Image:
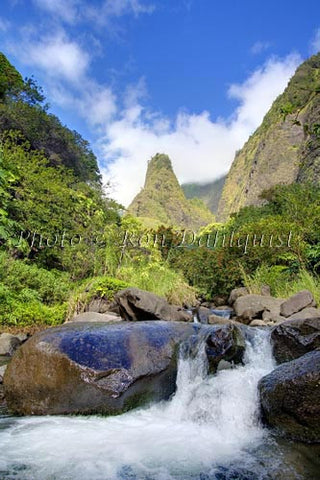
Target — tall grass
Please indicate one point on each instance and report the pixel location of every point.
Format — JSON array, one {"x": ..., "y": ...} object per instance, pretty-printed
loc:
[
  {"x": 158, "y": 278},
  {"x": 282, "y": 284}
]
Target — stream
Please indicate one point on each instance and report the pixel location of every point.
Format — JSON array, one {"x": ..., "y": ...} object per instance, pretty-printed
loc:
[{"x": 209, "y": 430}]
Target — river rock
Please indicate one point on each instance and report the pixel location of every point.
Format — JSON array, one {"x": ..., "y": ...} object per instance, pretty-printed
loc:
[
  {"x": 96, "y": 317},
  {"x": 225, "y": 342},
  {"x": 297, "y": 302},
  {"x": 138, "y": 305},
  {"x": 272, "y": 317},
  {"x": 8, "y": 344},
  {"x": 219, "y": 300},
  {"x": 290, "y": 398},
  {"x": 305, "y": 314},
  {"x": 95, "y": 368},
  {"x": 237, "y": 293},
  {"x": 258, "y": 323},
  {"x": 294, "y": 338},
  {"x": 102, "y": 305},
  {"x": 202, "y": 314},
  {"x": 250, "y": 307}
]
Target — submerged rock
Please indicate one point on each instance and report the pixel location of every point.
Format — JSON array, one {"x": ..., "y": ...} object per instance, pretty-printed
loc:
[
  {"x": 294, "y": 338},
  {"x": 290, "y": 398},
  {"x": 95, "y": 368},
  {"x": 138, "y": 305}
]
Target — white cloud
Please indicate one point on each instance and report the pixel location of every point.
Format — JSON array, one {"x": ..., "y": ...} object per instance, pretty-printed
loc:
[
  {"x": 315, "y": 42},
  {"x": 4, "y": 25},
  {"x": 118, "y": 8},
  {"x": 73, "y": 11},
  {"x": 67, "y": 10},
  {"x": 57, "y": 56},
  {"x": 260, "y": 47},
  {"x": 200, "y": 149}
]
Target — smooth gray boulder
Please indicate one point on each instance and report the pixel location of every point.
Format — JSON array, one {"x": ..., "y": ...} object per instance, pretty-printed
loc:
[
  {"x": 250, "y": 307},
  {"x": 89, "y": 368},
  {"x": 294, "y": 338},
  {"x": 297, "y": 302},
  {"x": 290, "y": 398},
  {"x": 138, "y": 305}
]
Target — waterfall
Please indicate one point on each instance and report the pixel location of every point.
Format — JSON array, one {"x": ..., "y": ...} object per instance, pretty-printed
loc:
[{"x": 210, "y": 421}]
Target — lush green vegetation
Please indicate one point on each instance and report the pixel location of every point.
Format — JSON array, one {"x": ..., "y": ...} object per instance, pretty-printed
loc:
[
  {"x": 283, "y": 235},
  {"x": 64, "y": 242}
]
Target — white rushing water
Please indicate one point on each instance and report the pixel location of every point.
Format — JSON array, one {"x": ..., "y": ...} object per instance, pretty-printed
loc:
[{"x": 211, "y": 420}]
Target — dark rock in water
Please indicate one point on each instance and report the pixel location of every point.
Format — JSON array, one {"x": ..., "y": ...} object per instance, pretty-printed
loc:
[
  {"x": 203, "y": 314},
  {"x": 294, "y": 338},
  {"x": 296, "y": 303},
  {"x": 224, "y": 342},
  {"x": 95, "y": 368},
  {"x": 224, "y": 473},
  {"x": 290, "y": 398},
  {"x": 138, "y": 305}
]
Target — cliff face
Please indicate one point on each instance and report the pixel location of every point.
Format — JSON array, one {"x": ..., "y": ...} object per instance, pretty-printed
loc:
[
  {"x": 284, "y": 149},
  {"x": 162, "y": 200},
  {"x": 209, "y": 192}
]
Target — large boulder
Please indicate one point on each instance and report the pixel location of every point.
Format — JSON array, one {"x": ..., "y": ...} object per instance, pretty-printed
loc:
[
  {"x": 297, "y": 302},
  {"x": 294, "y": 338},
  {"x": 138, "y": 305},
  {"x": 95, "y": 368},
  {"x": 290, "y": 398},
  {"x": 108, "y": 368},
  {"x": 250, "y": 307}
]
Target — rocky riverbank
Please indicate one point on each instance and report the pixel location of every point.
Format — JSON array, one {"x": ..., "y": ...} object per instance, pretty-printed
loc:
[{"x": 113, "y": 361}]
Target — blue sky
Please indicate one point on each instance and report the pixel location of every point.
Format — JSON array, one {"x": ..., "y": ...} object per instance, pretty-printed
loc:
[{"x": 192, "y": 78}]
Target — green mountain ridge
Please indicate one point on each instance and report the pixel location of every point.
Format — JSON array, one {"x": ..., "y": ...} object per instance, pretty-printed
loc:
[
  {"x": 286, "y": 147},
  {"x": 209, "y": 192},
  {"x": 162, "y": 201}
]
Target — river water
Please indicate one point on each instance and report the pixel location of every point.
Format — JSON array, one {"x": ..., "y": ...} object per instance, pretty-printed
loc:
[{"x": 209, "y": 430}]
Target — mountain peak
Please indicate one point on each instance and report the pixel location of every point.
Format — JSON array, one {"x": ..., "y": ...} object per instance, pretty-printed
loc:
[{"x": 162, "y": 200}]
